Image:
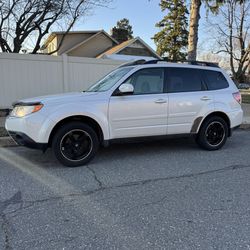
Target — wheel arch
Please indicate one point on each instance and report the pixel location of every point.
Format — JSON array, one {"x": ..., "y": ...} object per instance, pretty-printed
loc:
[
  {"x": 82, "y": 118},
  {"x": 200, "y": 120}
]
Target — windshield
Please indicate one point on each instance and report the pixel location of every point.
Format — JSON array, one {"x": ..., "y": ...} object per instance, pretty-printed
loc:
[{"x": 109, "y": 80}]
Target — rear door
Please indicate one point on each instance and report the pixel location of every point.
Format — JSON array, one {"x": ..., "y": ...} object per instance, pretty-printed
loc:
[{"x": 188, "y": 98}]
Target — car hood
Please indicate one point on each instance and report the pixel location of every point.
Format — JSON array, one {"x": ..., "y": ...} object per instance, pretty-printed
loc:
[{"x": 61, "y": 98}]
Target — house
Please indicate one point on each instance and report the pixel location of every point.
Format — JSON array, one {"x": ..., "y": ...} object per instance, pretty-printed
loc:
[
  {"x": 132, "y": 49},
  {"x": 97, "y": 44},
  {"x": 79, "y": 43}
]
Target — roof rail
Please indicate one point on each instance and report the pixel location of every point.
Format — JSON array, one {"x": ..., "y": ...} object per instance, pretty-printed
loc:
[
  {"x": 137, "y": 62},
  {"x": 198, "y": 63},
  {"x": 142, "y": 61}
]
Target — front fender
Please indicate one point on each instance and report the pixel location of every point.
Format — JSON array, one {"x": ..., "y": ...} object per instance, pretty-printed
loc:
[{"x": 70, "y": 110}]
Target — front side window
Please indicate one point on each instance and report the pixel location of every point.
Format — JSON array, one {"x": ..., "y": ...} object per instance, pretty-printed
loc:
[
  {"x": 147, "y": 81},
  {"x": 109, "y": 80},
  {"x": 215, "y": 80},
  {"x": 184, "y": 80}
]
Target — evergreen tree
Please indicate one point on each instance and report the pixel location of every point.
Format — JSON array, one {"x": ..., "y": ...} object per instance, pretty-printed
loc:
[
  {"x": 172, "y": 39},
  {"x": 122, "y": 31}
]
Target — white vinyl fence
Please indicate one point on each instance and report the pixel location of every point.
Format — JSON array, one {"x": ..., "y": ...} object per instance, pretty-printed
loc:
[{"x": 23, "y": 76}]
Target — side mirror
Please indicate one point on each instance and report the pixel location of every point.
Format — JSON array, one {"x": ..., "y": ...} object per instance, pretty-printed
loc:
[{"x": 126, "y": 88}]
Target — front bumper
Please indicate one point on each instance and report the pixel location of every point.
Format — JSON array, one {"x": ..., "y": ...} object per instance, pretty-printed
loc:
[
  {"x": 24, "y": 140},
  {"x": 31, "y": 126}
]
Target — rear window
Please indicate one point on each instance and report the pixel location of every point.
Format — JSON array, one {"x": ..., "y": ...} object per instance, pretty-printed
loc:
[
  {"x": 215, "y": 80},
  {"x": 184, "y": 80}
]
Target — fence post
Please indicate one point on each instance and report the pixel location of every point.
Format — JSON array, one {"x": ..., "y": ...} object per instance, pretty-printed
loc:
[{"x": 65, "y": 73}]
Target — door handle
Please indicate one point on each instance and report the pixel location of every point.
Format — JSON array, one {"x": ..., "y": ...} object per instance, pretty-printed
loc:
[
  {"x": 205, "y": 98},
  {"x": 160, "y": 101}
]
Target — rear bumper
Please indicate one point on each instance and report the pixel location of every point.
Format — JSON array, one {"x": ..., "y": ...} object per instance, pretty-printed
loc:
[
  {"x": 24, "y": 140},
  {"x": 236, "y": 118}
]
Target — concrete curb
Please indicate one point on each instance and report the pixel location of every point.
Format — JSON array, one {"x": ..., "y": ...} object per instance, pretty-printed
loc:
[
  {"x": 4, "y": 112},
  {"x": 7, "y": 142},
  {"x": 245, "y": 126},
  {"x": 3, "y": 132}
]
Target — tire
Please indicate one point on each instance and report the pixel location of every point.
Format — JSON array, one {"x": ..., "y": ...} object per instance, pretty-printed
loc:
[
  {"x": 213, "y": 133},
  {"x": 75, "y": 144}
]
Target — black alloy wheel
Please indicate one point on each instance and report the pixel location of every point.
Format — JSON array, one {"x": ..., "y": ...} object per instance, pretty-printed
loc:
[
  {"x": 213, "y": 133},
  {"x": 75, "y": 144}
]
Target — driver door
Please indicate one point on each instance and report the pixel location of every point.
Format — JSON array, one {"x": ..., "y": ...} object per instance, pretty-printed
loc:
[{"x": 143, "y": 113}]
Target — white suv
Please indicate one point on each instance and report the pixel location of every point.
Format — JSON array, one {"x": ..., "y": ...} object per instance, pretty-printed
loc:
[{"x": 139, "y": 99}]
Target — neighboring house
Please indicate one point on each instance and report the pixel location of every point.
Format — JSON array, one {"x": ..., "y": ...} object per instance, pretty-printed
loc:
[
  {"x": 132, "y": 48},
  {"x": 79, "y": 43},
  {"x": 97, "y": 44}
]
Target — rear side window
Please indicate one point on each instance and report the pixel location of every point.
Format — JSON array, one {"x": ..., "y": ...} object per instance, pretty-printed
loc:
[
  {"x": 184, "y": 80},
  {"x": 215, "y": 80}
]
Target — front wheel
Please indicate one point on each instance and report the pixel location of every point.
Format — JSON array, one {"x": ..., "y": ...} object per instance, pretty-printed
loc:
[
  {"x": 75, "y": 144},
  {"x": 213, "y": 133}
]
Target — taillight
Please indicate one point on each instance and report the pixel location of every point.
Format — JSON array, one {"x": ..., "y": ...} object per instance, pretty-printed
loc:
[{"x": 237, "y": 97}]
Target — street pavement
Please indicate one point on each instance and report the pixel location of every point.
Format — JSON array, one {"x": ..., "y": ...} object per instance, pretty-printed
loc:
[{"x": 166, "y": 194}]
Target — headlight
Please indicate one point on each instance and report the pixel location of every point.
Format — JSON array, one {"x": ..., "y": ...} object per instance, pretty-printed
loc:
[{"x": 21, "y": 111}]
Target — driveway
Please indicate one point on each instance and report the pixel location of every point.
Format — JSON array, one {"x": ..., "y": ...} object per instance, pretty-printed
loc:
[{"x": 164, "y": 194}]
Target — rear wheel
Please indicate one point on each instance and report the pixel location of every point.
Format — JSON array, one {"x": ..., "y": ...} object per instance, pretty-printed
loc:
[
  {"x": 75, "y": 144},
  {"x": 213, "y": 133}
]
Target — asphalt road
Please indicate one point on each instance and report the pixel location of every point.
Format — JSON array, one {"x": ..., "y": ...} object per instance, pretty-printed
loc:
[{"x": 160, "y": 195}]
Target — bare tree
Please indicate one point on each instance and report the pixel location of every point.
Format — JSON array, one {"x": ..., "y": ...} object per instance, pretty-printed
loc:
[
  {"x": 233, "y": 36},
  {"x": 211, "y": 5},
  {"x": 193, "y": 29},
  {"x": 22, "y": 19}
]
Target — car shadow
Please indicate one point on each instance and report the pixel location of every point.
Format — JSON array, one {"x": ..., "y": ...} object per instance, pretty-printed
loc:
[
  {"x": 140, "y": 148},
  {"x": 120, "y": 151}
]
